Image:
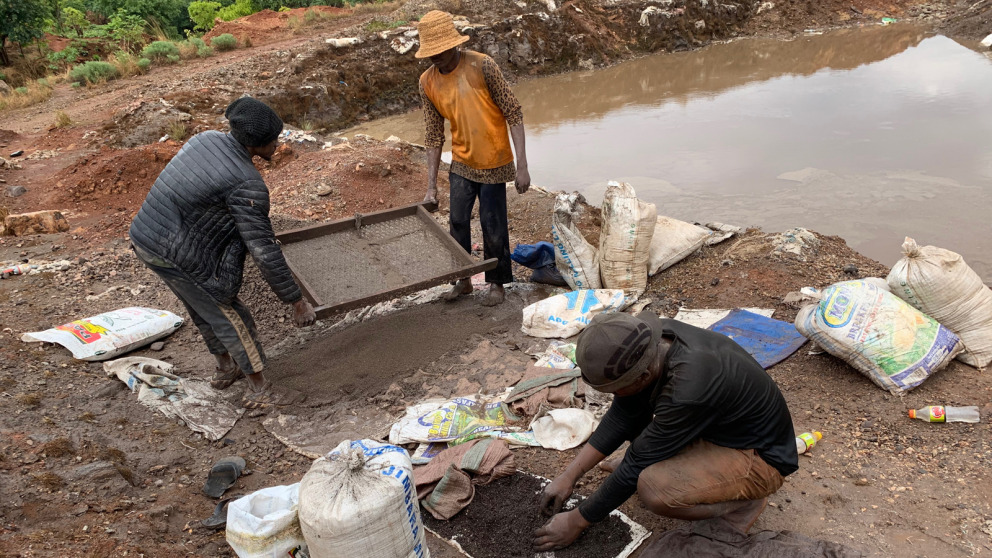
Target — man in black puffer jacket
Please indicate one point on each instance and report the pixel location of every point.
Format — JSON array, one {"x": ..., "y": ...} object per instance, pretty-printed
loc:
[{"x": 205, "y": 212}]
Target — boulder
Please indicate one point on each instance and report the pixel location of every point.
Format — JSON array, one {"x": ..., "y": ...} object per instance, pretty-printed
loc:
[
  {"x": 4, "y": 88},
  {"x": 38, "y": 222}
]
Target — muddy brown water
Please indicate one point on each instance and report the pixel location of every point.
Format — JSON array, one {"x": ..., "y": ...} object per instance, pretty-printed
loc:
[{"x": 871, "y": 134}]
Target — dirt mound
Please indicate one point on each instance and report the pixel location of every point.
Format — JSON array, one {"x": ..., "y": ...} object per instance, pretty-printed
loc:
[
  {"x": 144, "y": 122},
  {"x": 795, "y": 16},
  {"x": 267, "y": 26},
  {"x": 113, "y": 178},
  {"x": 970, "y": 20},
  {"x": 7, "y": 137},
  {"x": 358, "y": 177}
]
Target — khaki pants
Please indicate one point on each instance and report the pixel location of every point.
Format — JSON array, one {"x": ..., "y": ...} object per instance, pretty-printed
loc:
[{"x": 705, "y": 473}]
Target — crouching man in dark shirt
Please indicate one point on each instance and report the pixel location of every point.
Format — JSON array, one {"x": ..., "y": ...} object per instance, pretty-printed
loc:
[{"x": 711, "y": 435}]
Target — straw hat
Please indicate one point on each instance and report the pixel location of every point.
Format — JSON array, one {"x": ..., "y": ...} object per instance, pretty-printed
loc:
[{"x": 437, "y": 34}]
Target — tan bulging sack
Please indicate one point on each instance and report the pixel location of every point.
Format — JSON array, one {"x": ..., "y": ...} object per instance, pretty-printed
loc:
[
  {"x": 940, "y": 284},
  {"x": 625, "y": 241}
]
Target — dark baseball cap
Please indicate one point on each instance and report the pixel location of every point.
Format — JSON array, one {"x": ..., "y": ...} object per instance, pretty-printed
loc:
[{"x": 616, "y": 348}]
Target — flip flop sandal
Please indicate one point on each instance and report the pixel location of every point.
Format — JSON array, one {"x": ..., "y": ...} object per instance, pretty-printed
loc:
[
  {"x": 218, "y": 520},
  {"x": 271, "y": 395},
  {"x": 223, "y": 475},
  {"x": 223, "y": 380}
]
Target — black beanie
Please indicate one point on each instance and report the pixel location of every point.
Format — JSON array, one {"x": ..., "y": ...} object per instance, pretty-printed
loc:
[{"x": 253, "y": 123}]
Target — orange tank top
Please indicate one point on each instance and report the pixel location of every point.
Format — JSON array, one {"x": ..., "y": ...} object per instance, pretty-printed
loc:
[{"x": 479, "y": 137}]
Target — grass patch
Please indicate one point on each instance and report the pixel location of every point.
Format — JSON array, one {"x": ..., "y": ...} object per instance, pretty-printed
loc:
[
  {"x": 62, "y": 119},
  {"x": 31, "y": 94},
  {"x": 177, "y": 131},
  {"x": 49, "y": 481},
  {"x": 87, "y": 417},
  {"x": 128, "y": 64},
  {"x": 113, "y": 455},
  {"x": 29, "y": 399},
  {"x": 376, "y": 26},
  {"x": 161, "y": 52},
  {"x": 59, "y": 447},
  {"x": 306, "y": 125},
  {"x": 93, "y": 72},
  {"x": 224, "y": 42}
]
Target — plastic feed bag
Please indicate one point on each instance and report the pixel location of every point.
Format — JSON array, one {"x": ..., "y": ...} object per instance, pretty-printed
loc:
[
  {"x": 625, "y": 241},
  {"x": 360, "y": 500},
  {"x": 940, "y": 284},
  {"x": 264, "y": 524},
  {"x": 567, "y": 314},
  {"x": 107, "y": 335},
  {"x": 894, "y": 344},
  {"x": 576, "y": 259}
]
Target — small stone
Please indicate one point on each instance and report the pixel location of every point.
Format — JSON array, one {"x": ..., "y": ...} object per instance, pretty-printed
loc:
[
  {"x": 851, "y": 269},
  {"x": 157, "y": 346},
  {"x": 715, "y": 282},
  {"x": 861, "y": 482},
  {"x": 16, "y": 191},
  {"x": 324, "y": 190}
]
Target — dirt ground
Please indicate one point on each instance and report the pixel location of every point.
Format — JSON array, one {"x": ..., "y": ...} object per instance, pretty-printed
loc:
[{"x": 86, "y": 470}]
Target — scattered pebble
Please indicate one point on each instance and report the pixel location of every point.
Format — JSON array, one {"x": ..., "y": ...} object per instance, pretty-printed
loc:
[{"x": 157, "y": 346}]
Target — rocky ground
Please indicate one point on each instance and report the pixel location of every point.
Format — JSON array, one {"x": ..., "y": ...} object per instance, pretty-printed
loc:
[{"x": 86, "y": 470}]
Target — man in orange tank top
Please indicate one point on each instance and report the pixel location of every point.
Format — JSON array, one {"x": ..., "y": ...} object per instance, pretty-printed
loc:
[{"x": 467, "y": 89}]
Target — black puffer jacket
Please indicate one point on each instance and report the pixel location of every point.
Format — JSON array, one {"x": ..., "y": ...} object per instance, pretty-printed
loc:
[{"x": 207, "y": 208}]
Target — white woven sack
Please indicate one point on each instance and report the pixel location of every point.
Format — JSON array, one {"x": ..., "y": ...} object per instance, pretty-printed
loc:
[
  {"x": 887, "y": 340},
  {"x": 575, "y": 258},
  {"x": 940, "y": 284},
  {"x": 360, "y": 501},
  {"x": 568, "y": 314},
  {"x": 673, "y": 240},
  {"x": 625, "y": 241},
  {"x": 263, "y": 524}
]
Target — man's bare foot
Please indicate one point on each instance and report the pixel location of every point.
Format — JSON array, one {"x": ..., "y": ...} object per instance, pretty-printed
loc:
[
  {"x": 610, "y": 465},
  {"x": 461, "y": 287},
  {"x": 496, "y": 295},
  {"x": 744, "y": 517}
]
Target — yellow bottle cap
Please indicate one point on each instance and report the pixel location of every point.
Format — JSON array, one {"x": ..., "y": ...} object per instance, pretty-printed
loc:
[{"x": 818, "y": 434}]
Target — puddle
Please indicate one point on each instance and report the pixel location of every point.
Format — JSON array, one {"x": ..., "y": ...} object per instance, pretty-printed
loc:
[{"x": 870, "y": 134}]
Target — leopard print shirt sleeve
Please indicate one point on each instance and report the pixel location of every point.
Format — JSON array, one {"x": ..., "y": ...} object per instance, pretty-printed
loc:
[
  {"x": 433, "y": 121},
  {"x": 501, "y": 93}
]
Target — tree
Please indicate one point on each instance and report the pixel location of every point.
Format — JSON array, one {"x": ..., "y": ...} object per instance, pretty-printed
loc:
[
  {"x": 21, "y": 21},
  {"x": 203, "y": 14},
  {"x": 126, "y": 28},
  {"x": 75, "y": 20}
]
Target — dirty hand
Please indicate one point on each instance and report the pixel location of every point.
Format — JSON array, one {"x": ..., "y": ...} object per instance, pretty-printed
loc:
[
  {"x": 560, "y": 532},
  {"x": 522, "y": 182},
  {"x": 555, "y": 495},
  {"x": 431, "y": 196},
  {"x": 303, "y": 314}
]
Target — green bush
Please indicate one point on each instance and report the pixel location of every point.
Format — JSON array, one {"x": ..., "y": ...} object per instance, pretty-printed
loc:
[
  {"x": 143, "y": 64},
  {"x": 64, "y": 58},
  {"x": 239, "y": 8},
  {"x": 202, "y": 14},
  {"x": 160, "y": 51},
  {"x": 200, "y": 47},
  {"x": 76, "y": 85},
  {"x": 21, "y": 90},
  {"x": 93, "y": 72},
  {"x": 43, "y": 82},
  {"x": 224, "y": 42},
  {"x": 173, "y": 58}
]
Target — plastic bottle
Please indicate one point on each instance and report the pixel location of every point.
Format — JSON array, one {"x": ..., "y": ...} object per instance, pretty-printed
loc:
[
  {"x": 16, "y": 270},
  {"x": 807, "y": 440},
  {"x": 939, "y": 413}
]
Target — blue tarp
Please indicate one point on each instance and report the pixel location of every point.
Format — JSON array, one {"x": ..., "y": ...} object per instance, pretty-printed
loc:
[{"x": 768, "y": 340}]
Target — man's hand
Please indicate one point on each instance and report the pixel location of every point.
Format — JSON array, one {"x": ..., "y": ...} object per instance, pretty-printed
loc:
[
  {"x": 560, "y": 532},
  {"x": 303, "y": 314},
  {"x": 555, "y": 495},
  {"x": 431, "y": 197},
  {"x": 522, "y": 182}
]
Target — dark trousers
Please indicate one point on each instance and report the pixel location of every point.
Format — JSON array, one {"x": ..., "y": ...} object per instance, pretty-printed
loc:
[
  {"x": 226, "y": 328},
  {"x": 492, "y": 215}
]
